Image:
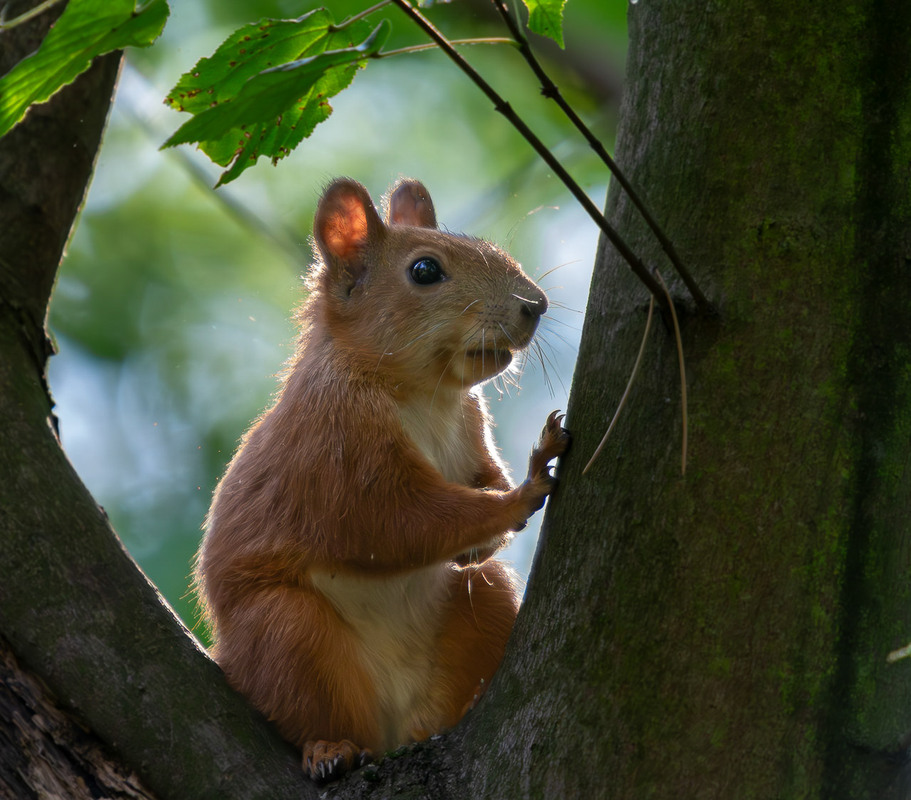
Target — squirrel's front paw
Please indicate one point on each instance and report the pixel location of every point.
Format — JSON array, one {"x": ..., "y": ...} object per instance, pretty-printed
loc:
[
  {"x": 555, "y": 440},
  {"x": 328, "y": 761}
]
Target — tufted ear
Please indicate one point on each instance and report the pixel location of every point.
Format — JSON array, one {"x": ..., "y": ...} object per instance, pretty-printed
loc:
[
  {"x": 410, "y": 204},
  {"x": 345, "y": 226}
]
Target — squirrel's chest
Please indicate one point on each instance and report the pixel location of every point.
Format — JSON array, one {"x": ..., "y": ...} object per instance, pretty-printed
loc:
[{"x": 441, "y": 433}]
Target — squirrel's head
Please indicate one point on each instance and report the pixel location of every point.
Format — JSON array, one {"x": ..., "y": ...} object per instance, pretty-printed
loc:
[{"x": 424, "y": 307}]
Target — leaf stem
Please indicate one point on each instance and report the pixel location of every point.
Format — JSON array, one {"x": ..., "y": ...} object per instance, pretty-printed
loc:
[
  {"x": 26, "y": 16},
  {"x": 518, "y": 123},
  {"x": 550, "y": 90}
]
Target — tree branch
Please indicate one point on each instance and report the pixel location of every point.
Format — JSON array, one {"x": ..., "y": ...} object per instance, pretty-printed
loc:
[
  {"x": 551, "y": 90},
  {"x": 540, "y": 148}
]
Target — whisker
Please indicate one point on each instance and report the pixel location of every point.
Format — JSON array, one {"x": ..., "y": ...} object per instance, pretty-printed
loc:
[
  {"x": 536, "y": 355},
  {"x": 552, "y": 270},
  {"x": 511, "y": 376},
  {"x": 483, "y": 349},
  {"x": 546, "y": 362},
  {"x": 478, "y": 300},
  {"x": 543, "y": 357},
  {"x": 548, "y": 322},
  {"x": 506, "y": 333},
  {"x": 526, "y": 300},
  {"x": 572, "y": 344},
  {"x": 436, "y": 388},
  {"x": 564, "y": 307}
]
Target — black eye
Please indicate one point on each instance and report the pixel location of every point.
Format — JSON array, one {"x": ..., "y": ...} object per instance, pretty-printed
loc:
[{"x": 426, "y": 271}]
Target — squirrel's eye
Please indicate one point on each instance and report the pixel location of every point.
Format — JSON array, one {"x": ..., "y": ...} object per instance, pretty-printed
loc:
[{"x": 426, "y": 271}]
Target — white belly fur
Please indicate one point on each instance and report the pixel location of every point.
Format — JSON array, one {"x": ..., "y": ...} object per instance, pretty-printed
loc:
[
  {"x": 439, "y": 431},
  {"x": 396, "y": 620}
]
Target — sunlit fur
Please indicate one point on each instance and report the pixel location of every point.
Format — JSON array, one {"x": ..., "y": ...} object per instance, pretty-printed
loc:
[{"x": 333, "y": 570}]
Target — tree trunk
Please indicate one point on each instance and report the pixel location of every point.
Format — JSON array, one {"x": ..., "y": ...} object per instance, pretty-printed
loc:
[{"x": 725, "y": 633}]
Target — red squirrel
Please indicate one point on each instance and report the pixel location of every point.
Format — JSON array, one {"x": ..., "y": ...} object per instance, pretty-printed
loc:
[{"x": 345, "y": 570}]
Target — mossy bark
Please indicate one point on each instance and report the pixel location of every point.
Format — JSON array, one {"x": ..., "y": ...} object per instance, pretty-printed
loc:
[{"x": 725, "y": 633}]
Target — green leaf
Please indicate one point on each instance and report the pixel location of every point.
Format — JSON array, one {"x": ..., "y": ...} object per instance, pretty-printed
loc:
[
  {"x": 546, "y": 18},
  {"x": 86, "y": 29},
  {"x": 267, "y": 86}
]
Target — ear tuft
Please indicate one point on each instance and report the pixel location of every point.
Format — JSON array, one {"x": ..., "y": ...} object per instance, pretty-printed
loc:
[
  {"x": 410, "y": 204},
  {"x": 346, "y": 222}
]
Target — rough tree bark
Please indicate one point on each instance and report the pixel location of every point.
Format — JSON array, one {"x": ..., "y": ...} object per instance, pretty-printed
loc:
[
  {"x": 722, "y": 634},
  {"x": 726, "y": 633}
]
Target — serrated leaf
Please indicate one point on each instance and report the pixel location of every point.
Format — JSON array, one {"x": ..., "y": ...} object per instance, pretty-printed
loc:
[
  {"x": 545, "y": 17},
  {"x": 279, "y": 137},
  {"x": 254, "y": 48},
  {"x": 267, "y": 86},
  {"x": 85, "y": 30}
]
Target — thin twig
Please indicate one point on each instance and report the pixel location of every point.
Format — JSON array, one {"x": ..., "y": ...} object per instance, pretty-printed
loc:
[
  {"x": 361, "y": 15},
  {"x": 626, "y": 391},
  {"x": 679, "y": 339},
  {"x": 420, "y": 48},
  {"x": 26, "y": 16},
  {"x": 551, "y": 90},
  {"x": 518, "y": 123}
]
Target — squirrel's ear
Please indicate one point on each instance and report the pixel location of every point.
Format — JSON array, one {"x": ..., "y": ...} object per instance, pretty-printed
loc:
[
  {"x": 345, "y": 224},
  {"x": 410, "y": 204}
]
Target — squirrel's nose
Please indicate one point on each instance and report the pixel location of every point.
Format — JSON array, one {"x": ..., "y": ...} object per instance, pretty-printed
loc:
[{"x": 534, "y": 305}]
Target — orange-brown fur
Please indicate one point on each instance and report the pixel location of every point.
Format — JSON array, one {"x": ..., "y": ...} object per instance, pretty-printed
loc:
[{"x": 343, "y": 565}]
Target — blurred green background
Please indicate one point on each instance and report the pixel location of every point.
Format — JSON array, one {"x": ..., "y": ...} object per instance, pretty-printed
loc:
[{"x": 172, "y": 309}]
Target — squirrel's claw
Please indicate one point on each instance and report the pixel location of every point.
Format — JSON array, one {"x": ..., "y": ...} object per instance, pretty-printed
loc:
[
  {"x": 555, "y": 441},
  {"x": 328, "y": 761}
]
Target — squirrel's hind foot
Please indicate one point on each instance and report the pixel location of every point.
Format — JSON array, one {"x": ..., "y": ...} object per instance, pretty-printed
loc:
[{"x": 328, "y": 761}]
